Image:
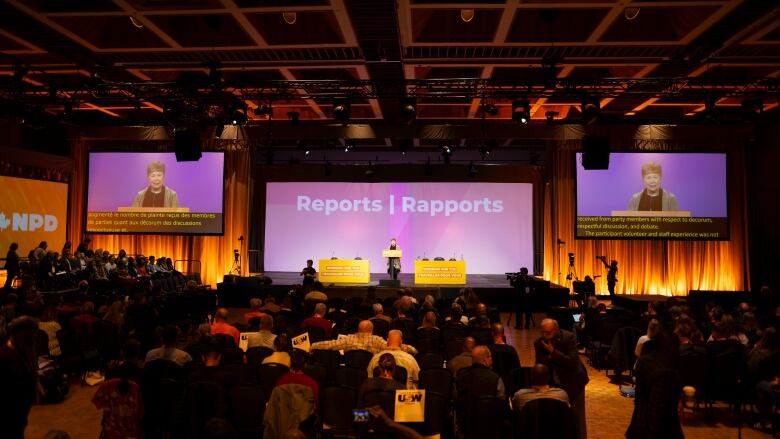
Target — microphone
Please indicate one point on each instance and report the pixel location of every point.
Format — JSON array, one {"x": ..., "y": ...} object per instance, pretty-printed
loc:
[{"x": 560, "y": 241}]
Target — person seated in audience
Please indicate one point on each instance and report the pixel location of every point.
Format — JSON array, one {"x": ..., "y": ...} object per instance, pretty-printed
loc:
[
  {"x": 316, "y": 293},
  {"x": 403, "y": 359},
  {"x": 379, "y": 313},
  {"x": 143, "y": 270},
  {"x": 83, "y": 246},
  {"x": 456, "y": 316},
  {"x": 287, "y": 304},
  {"x": 427, "y": 305},
  {"x": 130, "y": 365},
  {"x": 653, "y": 328},
  {"x": 120, "y": 400},
  {"x": 168, "y": 350},
  {"x": 270, "y": 305},
  {"x": 204, "y": 339},
  {"x": 464, "y": 359},
  {"x": 132, "y": 269},
  {"x": 363, "y": 339},
  {"x": 162, "y": 265},
  {"x": 254, "y": 309},
  {"x": 768, "y": 345},
  {"x": 32, "y": 305},
  {"x": 479, "y": 311},
  {"x": 151, "y": 265},
  {"x": 280, "y": 355},
  {"x": 211, "y": 369},
  {"x": 384, "y": 380},
  {"x": 49, "y": 325},
  {"x": 428, "y": 321},
  {"x": 298, "y": 360},
  {"x": 221, "y": 326},
  {"x": 404, "y": 308},
  {"x": 86, "y": 318},
  {"x": 18, "y": 372},
  {"x": 499, "y": 342},
  {"x": 264, "y": 337},
  {"x": 477, "y": 380},
  {"x": 687, "y": 333},
  {"x": 40, "y": 252},
  {"x": 318, "y": 320},
  {"x": 767, "y": 388},
  {"x": 540, "y": 388},
  {"x": 750, "y": 327}
]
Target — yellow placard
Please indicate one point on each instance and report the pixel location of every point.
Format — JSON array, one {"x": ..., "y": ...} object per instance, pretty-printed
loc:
[
  {"x": 440, "y": 272},
  {"x": 410, "y": 405},
  {"x": 344, "y": 271}
]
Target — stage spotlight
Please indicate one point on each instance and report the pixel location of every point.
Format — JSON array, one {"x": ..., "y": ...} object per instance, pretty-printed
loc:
[
  {"x": 303, "y": 146},
  {"x": 490, "y": 109},
  {"x": 349, "y": 145},
  {"x": 467, "y": 15},
  {"x": 263, "y": 110},
  {"x": 408, "y": 109},
  {"x": 446, "y": 154},
  {"x": 218, "y": 131},
  {"x": 485, "y": 150},
  {"x": 550, "y": 116},
  {"x": 295, "y": 117},
  {"x": 238, "y": 113},
  {"x": 521, "y": 111},
  {"x": 341, "y": 110},
  {"x": 290, "y": 17},
  {"x": 590, "y": 109}
]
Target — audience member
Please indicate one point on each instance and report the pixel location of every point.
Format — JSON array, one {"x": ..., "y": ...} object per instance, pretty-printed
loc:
[
  {"x": 383, "y": 380},
  {"x": 221, "y": 326},
  {"x": 298, "y": 360},
  {"x": 50, "y": 326},
  {"x": 557, "y": 349},
  {"x": 280, "y": 355},
  {"x": 379, "y": 313},
  {"x": 168, "y": 350},
  {"x": 120, "y": 400},
  {"x": 318, "y": 320},
  {"x": 540, "y": 388},
  {"x": 464, "y": 359},
  {"x": 402, "y": 359},
  {"x": 363, "y": 339},
  {"x": 254, "y": 310},
  {"x": 270, "y": 305},
  {"x": 263, "y": 338},
  {"x": 18, "y": 376}
]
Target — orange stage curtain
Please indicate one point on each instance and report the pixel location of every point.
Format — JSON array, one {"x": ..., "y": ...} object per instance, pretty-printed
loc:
[
  {"x": 215, "y": 253},
  {"x": 647, "y": 267}
]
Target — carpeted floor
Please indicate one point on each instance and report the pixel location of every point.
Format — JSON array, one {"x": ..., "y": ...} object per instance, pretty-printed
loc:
[{"x": 608, "y": 413}]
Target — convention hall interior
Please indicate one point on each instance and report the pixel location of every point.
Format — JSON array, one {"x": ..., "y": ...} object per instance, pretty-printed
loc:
[{"x": 225, "y": 219}]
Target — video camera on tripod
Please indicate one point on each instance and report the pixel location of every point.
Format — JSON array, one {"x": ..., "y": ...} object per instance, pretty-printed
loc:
[{"x": 521, "y": 275}]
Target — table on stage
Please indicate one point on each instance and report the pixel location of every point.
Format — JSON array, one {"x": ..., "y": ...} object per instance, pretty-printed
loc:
[
  {"x": 344, "y": 271},
  {"x": 440, "y": 272}
]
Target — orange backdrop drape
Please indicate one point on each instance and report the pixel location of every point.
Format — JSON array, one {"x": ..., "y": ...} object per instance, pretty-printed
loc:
[
  {"x": 647, "y": 267},
  {"x": 214, "y": 253}
]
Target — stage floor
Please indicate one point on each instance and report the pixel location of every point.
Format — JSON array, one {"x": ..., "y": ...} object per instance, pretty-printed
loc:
[{"x": 407, "y": 280}]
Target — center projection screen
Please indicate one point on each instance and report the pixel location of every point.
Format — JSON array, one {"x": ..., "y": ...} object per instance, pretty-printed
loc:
[{"x": 489, "y": 225}]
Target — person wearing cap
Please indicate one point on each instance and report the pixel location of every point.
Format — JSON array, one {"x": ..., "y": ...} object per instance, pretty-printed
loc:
[{"x": 653, "y": 197}]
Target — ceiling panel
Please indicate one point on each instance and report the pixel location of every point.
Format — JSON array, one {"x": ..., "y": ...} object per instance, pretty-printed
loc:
[
  {"x": 658, "y": 24},
  {"x": 112, "y": 32},
  {"x": 309, "y": 28},
  {"x": 446, "y": 26},
  {"x": 546, "y": 25},
  {"x": 211, "y": 30}
]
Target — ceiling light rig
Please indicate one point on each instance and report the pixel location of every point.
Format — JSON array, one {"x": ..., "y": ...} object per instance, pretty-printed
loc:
[
  {"x": 341, "y": 110},
  {"x": 521, "y": 111},
  {"x": 467, "y": 15},
  {"x": 290, "y": 17},
  {"x": 590, "y": 109}
]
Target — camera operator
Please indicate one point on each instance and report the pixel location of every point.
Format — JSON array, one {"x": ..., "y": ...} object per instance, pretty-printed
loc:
[
  {"x": 523, "y": 304},
  {"x": 612, "y": 269}
]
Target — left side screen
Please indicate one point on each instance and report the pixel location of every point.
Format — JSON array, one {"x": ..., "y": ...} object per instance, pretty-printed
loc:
[
  {"x": 152, "y": 193},
  {"x": 32, "y": 211}
]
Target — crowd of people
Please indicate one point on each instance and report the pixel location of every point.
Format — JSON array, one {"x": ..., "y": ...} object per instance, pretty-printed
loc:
[{"x": 161, "y": 354}]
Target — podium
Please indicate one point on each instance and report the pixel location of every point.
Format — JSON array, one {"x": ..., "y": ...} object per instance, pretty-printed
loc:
[
  {"x": 394, "y": 283},
  {"x": 392, "y": 253}
]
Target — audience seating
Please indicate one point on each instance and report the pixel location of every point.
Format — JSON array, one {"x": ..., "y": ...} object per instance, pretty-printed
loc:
[
  {"x": 546, "y": 418},
  {"x": 268, "y": 374},
  {"x": 351, "y": 377},
  {"x": 430, "y": 360},
  {"x": 247, "y": 405},
  {"x": 357, "y": 358}
]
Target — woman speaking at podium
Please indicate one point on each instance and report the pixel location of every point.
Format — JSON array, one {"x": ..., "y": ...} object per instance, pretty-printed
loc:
[{"x": 393, "y": 264}]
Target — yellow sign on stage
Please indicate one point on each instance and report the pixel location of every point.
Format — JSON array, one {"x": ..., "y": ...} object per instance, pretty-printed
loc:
[
  {"x": 344, "y": 271},
  {"x": 440, "y": 272}
]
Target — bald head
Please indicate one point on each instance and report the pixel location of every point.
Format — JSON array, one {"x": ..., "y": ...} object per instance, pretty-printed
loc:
[
  {"x": 222, "y": 315},
  {"x": 394, "y": 339},
  {"x": 481, "y": 355},
  {"x": 540, "y": 375},
  {"x": 468, "y": 344},
  {"x": 549, "y": 329},
  {"x": 365, "y": 327}
]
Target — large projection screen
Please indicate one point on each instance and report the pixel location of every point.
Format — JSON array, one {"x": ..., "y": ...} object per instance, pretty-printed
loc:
[
  {"x": 152, "y": 193},
  {"x": 654, "y": 195},
  {"x": 32, "y": 211},
  {"x": 489, "y": 225}
]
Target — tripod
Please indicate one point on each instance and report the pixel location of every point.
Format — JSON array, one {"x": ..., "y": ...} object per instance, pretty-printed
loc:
[{"x": 236, "y": 267}]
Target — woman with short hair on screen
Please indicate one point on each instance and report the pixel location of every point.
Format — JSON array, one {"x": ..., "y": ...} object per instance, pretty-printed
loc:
[
  {"x": 156, "y": 194},
  {"x": 652, "y": 197}
]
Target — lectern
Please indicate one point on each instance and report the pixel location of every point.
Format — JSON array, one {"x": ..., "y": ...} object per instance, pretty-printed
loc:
[{"x": 394, "y": 282}]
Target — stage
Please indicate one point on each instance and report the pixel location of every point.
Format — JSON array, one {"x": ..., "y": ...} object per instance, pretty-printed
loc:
[{"x": 493, "y": 289}]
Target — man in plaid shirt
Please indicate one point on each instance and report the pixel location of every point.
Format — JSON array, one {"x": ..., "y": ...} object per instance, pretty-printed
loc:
[{"x": 363, "y": 339}]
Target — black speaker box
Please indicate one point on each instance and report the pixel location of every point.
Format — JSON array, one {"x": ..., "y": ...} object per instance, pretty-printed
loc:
[
  {"x": 188, "y": 147},
  {"x": 394, "y": 283},
  {"x": 595, "y": 152}
]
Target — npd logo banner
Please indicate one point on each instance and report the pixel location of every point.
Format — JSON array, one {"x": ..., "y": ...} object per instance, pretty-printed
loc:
[{"x": 32, "y": 211}]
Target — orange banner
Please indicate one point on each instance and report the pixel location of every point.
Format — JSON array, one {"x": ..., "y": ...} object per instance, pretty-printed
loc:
[{"x": 32, "y": 211}]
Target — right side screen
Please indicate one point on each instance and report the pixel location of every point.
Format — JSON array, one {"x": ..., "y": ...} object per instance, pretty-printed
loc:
[{"x": 653, "y": 196}]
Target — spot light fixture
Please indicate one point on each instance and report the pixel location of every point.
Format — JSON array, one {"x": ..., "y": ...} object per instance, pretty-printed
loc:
[
  {"x": 590, "y": 109},
  {"x": 467, "y": 15},
  {"x": 341, "y": 110},
  {"x": 521, "y": 111},
  {"x": 290, "y": 17}
]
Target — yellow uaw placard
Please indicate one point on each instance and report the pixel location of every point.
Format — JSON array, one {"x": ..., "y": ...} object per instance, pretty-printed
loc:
[
  {"x": 344, "y": 271},
  {"x": 440, "y": 272},
  {"x": 410, "y": 406}
]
